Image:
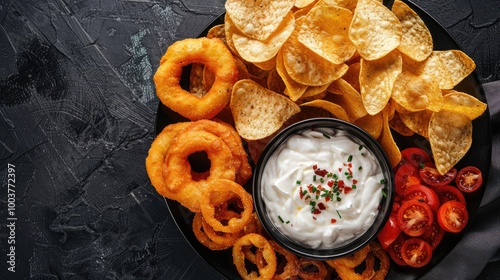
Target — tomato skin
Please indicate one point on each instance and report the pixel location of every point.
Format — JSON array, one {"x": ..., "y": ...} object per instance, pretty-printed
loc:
[
  {"x": 452, "y": 216},
  {"x": 415, "y": 156},
  {"x": 424, "y": 194},
  {"x": 433, "y": 235},
  {"x": 469, "y": 179},
  {"x": 389, "y": 232},
  {"x": 447, "y": 193},
  {"x": 394, "y": 250},
  {"x": 415, "y": 217},
  {"x": 405, "y": 176},
  {"x": 416, "y": 252},
  {"x": 431, "y": 176}
]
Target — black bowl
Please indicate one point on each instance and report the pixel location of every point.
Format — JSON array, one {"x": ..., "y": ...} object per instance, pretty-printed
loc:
[{"x": 358, "y": 135}]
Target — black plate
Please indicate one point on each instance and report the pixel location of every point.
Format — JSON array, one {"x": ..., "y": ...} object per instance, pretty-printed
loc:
[{"x": 478, "y": 155}]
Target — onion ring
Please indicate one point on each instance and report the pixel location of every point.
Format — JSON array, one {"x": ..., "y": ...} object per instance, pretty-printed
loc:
[
  {"x": 381, "y": 255},
  {"x": 221, "y": 238},
  {"x": 352, "y": 261},
  {"x": 177, "y": 173},
  {"x": 223, "y": 187},
  {"x": 265, "y": 272},
  {"x": 202, "y": 237},
  {"x": 216, "y": 58},
  {"x": 319, "y": 273},
  {"x": 290, "y": 263},
  {"x": 229, "y": 135}
]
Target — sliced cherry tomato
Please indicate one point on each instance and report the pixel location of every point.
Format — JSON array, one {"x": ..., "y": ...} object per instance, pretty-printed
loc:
[
  {"x": 416, "y": 252},
  {"x": 394, "y": 250},
  {"x": 431, "y": 176},
  {"x": 414, "y": 217},
  {"x": 406, "y": 175},
  {"x": 415, "y": 156},
  {"x": 469, "y": 179},
  {"x": 452, "y": 216},
  {"x": 389, "y": 232},
  {"x": 447, "y": 193},
  {"x": 423, "y": 194},
  {"x": 433, "y": 235}
]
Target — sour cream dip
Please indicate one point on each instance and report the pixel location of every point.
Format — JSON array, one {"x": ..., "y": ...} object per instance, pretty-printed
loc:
[{"x": 322, "y": 188}]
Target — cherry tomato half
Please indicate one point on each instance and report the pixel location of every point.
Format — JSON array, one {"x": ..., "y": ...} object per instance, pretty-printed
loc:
[
  {"x": 389, "y": 232},
  {"x": 423, "y": 194},
  {"x": 416, "y": 252},
  {"x": 415, "y": 156},
  {"x": 469, "y": 179},
  {"x": 431, "y": 176},
  {"x": 406, "y": 175},
  {"x": 433, "y": 235},
  {"x": 415, "y": 217},
  {"x": 447, "y": 193},
  {"x": 452, "y": 216},
  {"x": 394, "y": 250}
]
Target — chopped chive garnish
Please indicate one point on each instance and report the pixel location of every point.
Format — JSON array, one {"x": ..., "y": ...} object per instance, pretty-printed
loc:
[
  {"x": 353, "y": 186},
  {"x": 384, "y": 192},
  {"x": 298, "y": 182},
  {"x": 349, "y": 159},
  {"x": 361, "y": 167},
  {"x": 326, "y": 136},
  {"x": 383, "y": 181},
  {"x": 321, "y": 180},
  {"x": 338, "y": 214},
  {"x": 314, "y": 178},
  {"x": 281, "y": 220}
]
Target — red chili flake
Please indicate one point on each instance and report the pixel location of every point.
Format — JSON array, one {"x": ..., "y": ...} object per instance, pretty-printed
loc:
[
  {"x": 314, "y": 218},
  {"x": 320, "y": 172},
  {"x": 340, "y": 169},
  {"x": 354, "y": 181},
  {"x": 320, "y": 187},
  {"x": 321, "y": 206},
  {"x": 315, "y": 166},
  {"x": 316, "y": 211},
  {"x": 333, "y": 221},
  {"x": 350, "y": 165},
  {"x": 347, "y": 190},
  {"x": 310, "y": 188},
  {"x": 341, "y": 184},
  {"x": 350, "y": 171},
  {"x": 301, "y": 193},
  {"x": 327, "y": 198},
  {"x": 330, "y": 183}
]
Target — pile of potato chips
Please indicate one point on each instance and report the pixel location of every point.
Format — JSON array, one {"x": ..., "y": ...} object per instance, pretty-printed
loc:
[{"x": 357, "y": 60}]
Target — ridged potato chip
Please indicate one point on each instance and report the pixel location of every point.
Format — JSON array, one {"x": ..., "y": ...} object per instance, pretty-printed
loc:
[
  {"x": 450, "y": 136},
  {"x": 305, "y": 66},
  {"x": 374, "y": 30},
  {"x": 257, "y": 111},
  {"x": 416, "y": 40},
  {"x": 253, "y": 50},
  {"x": 260, "y": 18},
  {"x": 432, "y": 67},
  {"x": 324, "y": 30},
  {"x": 464, "y": 103},
  {"x": 376, "y": 80},
  {"x": 416, "y": 93}
]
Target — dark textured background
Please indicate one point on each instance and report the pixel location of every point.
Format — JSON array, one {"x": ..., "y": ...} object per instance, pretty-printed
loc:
[{"x": 77, "y": 112}]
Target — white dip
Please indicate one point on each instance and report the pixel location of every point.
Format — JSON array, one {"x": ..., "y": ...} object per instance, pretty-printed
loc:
[{"x": 322, "y": 189}]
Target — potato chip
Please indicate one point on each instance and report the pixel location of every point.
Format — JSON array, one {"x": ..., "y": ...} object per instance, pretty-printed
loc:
[
  {"x": 417, "y": 122},
  {"x": 416, "y": 40},
  {"x": 229, "y": 29},
  {"x": 458, "y": 64},
  {"x": 253, "y": 50},
  {"x": 309, "y": 96},
  {"x": 257, "y": 111},
  {"x": 399, "y": 126},
  {"x": 217, "y": 31},
  {"x": 432, "y": 67},
  {"x": 331, "y": 107},
  {"x": 303, "y": 3},
  {"x": 416, "y": 93},
  {"x": 374, "y": 30},
  {"x": 376, "y": 79},
  {"x": 387, "y": 142},
  {"x": 260, "y": 18},
  {"x": 352, "y": 75},
  {"x": 305, "y": 66},
  {"x": 266, "y": 65},
  {"x": 314, "y": 90},
  {"x": 324, "y": 30},
  {"x": 275, "y": 83},
  {"x": 464, "y": 103},
  {"x": 450, "y": 136},
  {"x": 347, "y": 4},
  {"x": 293, "y": 89},
  {"x": 349, "y": 98},
  {"x": 371, "y": 124}
]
